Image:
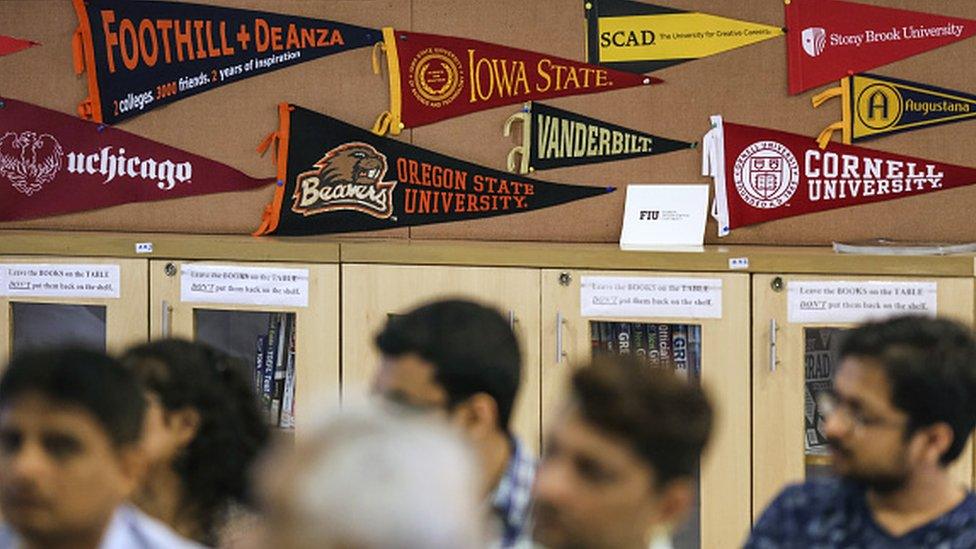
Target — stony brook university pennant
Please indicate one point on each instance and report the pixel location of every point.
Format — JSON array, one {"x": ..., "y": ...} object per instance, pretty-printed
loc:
[
  {"x": 556, "y": 138},
  {"x": 435, "y": 77},
  {"x": 9, "y": 44},
  {"x": 339, "y": 178},
  {"x": 639, "y": 37},
  {"x": 53, "y": 163},
  {"x": 140, "y": 55},
  {"x": 831, "y": 39},
  {"x": 874, "y": 106},
  {"x": 761, "y": 175}
]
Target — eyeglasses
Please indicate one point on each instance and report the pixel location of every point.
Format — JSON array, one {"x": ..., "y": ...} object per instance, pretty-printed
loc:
[{"x": 829, "y": 404}]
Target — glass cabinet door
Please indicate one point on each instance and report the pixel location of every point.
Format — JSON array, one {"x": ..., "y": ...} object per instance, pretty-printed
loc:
[
  {"x": 370, "y": 293},
  {"x": 798, "y": 322},
  {"x": 91, "y": 302},
  {"x": 709, "y": 345},
  {"x": 281, "y": 319}
]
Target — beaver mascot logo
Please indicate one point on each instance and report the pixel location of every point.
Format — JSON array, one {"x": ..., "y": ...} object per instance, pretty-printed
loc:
[{"x": 348, "y": 177}]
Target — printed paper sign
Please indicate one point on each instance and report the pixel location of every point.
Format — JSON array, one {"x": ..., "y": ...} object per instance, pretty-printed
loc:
[
  {"x": 59, "y": 280},
  {"x": 854, "y": 301},
  {"x": 636, "y": 297},
  {"x": 664, "y": 215},
  {"x": 244, "y": 285}
]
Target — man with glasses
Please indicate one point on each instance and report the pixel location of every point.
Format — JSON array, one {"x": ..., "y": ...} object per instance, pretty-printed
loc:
[
  {"x": 461, "y": 360},
  {"x": 902, "y": 407}
]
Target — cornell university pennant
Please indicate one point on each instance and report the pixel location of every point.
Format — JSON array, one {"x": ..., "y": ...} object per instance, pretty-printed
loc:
[{"x": 335, "y": 178}]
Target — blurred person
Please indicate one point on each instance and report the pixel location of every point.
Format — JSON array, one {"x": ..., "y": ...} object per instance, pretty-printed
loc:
[
  {"x": 203, "y": 432},
  {"x": 369, "y": 480},
  {"x": 461, "y": 360},
  {"x": 70, "y": 426},
  {"x": 902, "y": 406},
  {"x": 619, "y": 464}
]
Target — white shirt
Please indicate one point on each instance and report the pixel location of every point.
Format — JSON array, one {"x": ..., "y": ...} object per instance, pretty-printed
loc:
[{"x": 129, "y": 529}]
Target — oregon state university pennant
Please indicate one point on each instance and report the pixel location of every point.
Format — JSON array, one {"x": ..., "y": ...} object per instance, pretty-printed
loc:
[
  {"x": 761, "y": 175},
  {"x": 556, "y": 138},
  {"x": 435, "y": 77},
  {"x": 141, "y": 55},
  {"x": 53, "y": 163},
  {"x": 339, "y": 178},
  {"x": 831, "y": 39},
  {"x": 9, "y": 44},
  {"x": 874, "y": 106},
  {"x": 639, "y": 37}
]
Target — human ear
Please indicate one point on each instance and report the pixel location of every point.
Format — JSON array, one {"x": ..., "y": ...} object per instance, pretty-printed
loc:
[
  {"x": 185, "y": 424},
  {"x": 478, "y": 415},
  {"x": 675, "y": 502}
]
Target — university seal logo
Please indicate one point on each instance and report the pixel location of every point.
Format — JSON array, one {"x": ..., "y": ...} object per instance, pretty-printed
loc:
[
  {"x": 348, "y": 177},
  {"x": 29, "y": 160},
  {"x": 435, "y": 77},
  {"x": 766, "y": 174},
  {"x": 814, "y": 40}
]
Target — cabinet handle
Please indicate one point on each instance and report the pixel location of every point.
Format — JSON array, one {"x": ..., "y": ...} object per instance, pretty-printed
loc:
[
  {"x": 167, "y": 311},
  {"x": 559, "y": 337},
  {"x": 772, "y": 344},
  {"x": 511, "y": 319}
]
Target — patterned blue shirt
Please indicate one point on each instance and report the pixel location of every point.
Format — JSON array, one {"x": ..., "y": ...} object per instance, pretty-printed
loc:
[
  {"x": 511, "y": 498},
  {"x": 829, "y": 513}
]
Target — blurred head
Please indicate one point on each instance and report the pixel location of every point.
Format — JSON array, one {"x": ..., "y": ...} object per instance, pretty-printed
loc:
[
  {"x": 455, "y": 357},
  {"x": 202, "y": 422},
  {"x": 620, "y": 461},
  {"x": 367, "y": 480},
  {"x": 903, "y": 400},
  {"x": 70, "y": 422}
]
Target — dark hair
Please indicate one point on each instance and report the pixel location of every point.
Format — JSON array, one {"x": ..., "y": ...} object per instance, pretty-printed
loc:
[
  {"x": 84, "y": 378},
  {"x": 665, "y": 420},
  {"x": 472, "y": 348},
  {"x": 931, "y": 367},
  {"x": 214, "y": 467}
]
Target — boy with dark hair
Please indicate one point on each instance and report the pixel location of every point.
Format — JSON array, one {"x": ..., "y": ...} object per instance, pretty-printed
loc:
[
  {"x": 70, "y": 426},
  {"x": 462, "y": 359},
  {"x": 618, "y": 470},
  {"x": 902, "y": 407}
]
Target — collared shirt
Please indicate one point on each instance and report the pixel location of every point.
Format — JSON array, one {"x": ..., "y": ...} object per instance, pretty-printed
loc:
[
  {"x": 129, "y": 529},
  {"x": 831, "y": 513},
  {"x": 510, "y": 502}
]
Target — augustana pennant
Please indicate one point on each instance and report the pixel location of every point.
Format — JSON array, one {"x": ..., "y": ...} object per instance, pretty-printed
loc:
[{"x": 165, "y": 173}]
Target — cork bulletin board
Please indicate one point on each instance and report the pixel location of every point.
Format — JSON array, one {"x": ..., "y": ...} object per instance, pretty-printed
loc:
[{"x": 746, "y": 86}]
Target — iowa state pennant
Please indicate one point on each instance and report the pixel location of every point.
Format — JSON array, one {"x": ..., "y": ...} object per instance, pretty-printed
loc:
[
  {"x": 831, "y": 39},
  {"x": 339, "y": 178},
  {"x": 435, "y": 77},
  {"x": 873, "y": 106},
  {"x": 639, "y": 37},
  {"x": 141, "y": 55},
  {"x": 53, "y": 163},
  {"x": 555, "y": 138},
  {"x": 9, "y": 44},
  {"x": 761, "y": 175}
]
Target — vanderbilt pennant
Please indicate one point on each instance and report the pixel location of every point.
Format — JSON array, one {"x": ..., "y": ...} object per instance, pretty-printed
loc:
[
  {"x": 340, "y": 178},
  {"x": 435, "y": 77},
  {"x": 762, "y": 175}
]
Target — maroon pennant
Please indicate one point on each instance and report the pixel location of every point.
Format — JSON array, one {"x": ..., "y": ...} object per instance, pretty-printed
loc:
[
  {"x": 9, "y": 44},
  {"x": 53, "y": 163}
]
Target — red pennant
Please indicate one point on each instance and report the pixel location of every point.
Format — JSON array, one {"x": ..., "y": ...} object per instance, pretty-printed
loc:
[
  {"x": 830, "y": 39},
  {"x": 9, "y": 44},
  {"x": 435, "y": 77},
  {"x": 761, "y": 175},
  {"x": 52, "y": 163}
]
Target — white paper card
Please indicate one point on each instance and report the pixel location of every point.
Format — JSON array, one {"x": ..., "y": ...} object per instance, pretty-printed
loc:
[
  {"x": 244, "y": 285},
  {"x": 858, "y": 301},
  {"x": 605, "y": 296},
  {"x": 60, "y": 280},
  {"x": 664, "y": 215}
]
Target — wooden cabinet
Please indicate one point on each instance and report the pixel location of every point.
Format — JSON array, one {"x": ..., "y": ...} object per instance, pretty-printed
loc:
[
  {"x": 371, "y": 292},
  {"x": 781, "y": 348},
  {"x": 567, "y": 340},
  {"x": 48, "y": 300},
  {"x": 234, "y": 327}
]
